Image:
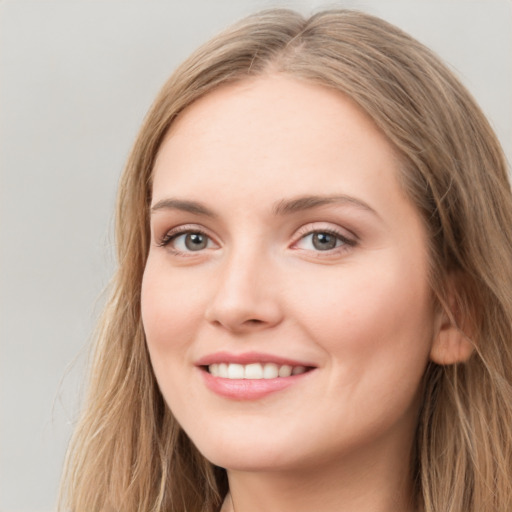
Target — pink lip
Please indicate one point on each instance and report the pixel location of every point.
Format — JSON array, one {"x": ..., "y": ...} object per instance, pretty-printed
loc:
[
  {"x": 248, "y": 389},
  {"x": 248, "y": 358}
]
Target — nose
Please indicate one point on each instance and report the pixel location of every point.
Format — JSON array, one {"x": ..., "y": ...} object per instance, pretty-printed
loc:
[{"x": 246, "y": 296}]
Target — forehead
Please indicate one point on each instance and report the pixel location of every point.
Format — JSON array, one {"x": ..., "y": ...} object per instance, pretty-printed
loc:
[{"x": 275, "y": 136}]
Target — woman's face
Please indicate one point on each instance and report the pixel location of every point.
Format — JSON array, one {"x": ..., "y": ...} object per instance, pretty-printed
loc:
[{"x": 282, "y": 242}]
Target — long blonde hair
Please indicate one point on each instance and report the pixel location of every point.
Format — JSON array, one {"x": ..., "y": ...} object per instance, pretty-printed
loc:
[{"x": 129, "y": 454}]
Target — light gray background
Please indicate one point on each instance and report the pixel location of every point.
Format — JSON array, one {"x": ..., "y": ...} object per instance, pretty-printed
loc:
[{"x": 76, "y": 78}]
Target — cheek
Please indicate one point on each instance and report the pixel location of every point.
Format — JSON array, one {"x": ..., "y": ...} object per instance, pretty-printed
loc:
[
  {"x": 371, "y": 320},
  {"x": 375, "y": 328},
  {"x": 170, "y": 307}
]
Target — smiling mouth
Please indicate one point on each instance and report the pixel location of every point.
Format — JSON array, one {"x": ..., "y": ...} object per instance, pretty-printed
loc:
[{"x": 254, "y": 370}]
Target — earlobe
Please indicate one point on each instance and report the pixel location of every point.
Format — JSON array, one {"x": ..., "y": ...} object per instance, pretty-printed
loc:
[
  {"x": 450, "y": 345},
  {"x": 453, "y": 330}
]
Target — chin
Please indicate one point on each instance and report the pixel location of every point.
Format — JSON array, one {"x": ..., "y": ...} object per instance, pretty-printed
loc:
[
  {"x": 238, "y": 454},
  {"x": 248, "y": 462}
]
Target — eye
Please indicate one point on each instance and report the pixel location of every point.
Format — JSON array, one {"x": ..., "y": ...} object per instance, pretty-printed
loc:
[
  {"x": 186, "y": 241},
  {"x": 191, "y": 242},
  {"x": 323, "y": 240}
]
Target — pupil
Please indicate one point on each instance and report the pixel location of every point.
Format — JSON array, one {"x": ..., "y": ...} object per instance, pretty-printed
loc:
[
  {"x": 195, "y": 241},
  {"x": 324, "y": 241}
]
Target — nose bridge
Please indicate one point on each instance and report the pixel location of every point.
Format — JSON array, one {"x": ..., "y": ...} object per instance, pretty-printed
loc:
[
  {"x": 241, "y": 270},
  {"x": 245, "y": 293}
]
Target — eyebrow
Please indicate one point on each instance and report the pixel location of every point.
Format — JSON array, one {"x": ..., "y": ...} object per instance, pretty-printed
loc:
[
  {"x": 283, "y": 207},
  {"x": 183, "y": 205},
  {"x": 287, "y": 206}
]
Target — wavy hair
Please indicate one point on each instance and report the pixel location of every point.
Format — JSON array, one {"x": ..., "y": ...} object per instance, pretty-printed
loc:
[{"x": 129, "y": 454}]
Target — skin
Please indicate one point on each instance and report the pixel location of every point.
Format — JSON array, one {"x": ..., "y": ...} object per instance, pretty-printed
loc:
[{"x": 362, "y": 313}]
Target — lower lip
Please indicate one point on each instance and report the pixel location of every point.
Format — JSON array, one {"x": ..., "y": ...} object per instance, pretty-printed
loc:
[{"x": 249, "y": 389}]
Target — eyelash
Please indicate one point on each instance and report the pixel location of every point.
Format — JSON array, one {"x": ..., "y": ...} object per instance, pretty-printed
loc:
[
  {"x": 346, "y": 242},
  {"x": 305, "y": 231},
  {"x": 171, "y": 235}
]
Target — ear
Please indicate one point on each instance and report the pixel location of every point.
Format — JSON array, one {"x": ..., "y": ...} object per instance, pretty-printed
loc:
[{"x": 452, "y": 337}]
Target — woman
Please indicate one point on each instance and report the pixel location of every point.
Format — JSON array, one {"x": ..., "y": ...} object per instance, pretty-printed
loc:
[{"x": 312, "y": 309}]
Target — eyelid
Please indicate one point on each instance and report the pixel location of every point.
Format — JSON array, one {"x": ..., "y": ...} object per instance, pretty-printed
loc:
[
  {"x": 349, "y": 238},
  {"x": 327, "y": 227},
  {"x": 170, "y": 234}
]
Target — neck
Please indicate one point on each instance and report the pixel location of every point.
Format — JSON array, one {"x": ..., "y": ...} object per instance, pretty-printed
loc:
[{"x": 368, "y": 484}]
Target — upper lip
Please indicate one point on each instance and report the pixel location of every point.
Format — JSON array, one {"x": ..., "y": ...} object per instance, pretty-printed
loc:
[{"x": 248, "y": 358}]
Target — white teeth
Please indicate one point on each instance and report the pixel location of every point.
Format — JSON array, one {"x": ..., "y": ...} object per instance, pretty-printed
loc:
[
  {"x": 223, "y": 370},
  {"x": 254, "y": 370},
  {"x": 235, "y": 371},
  {"x": 270, "y": 371},
  {"x": 285, "y": 371}
]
